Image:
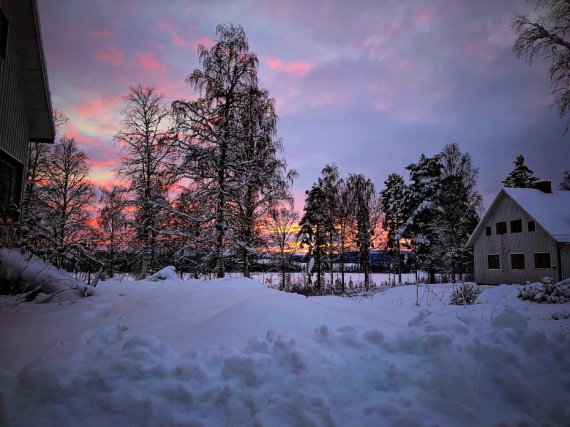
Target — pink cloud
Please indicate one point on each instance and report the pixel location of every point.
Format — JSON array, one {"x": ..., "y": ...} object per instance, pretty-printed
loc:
[
  {"x": 424, "y": 15},
  {"x": 101, "y": 33},
  {"x": 111, "y": 54},
  {"x": 148, "y": 61},
  {"x": 299, "y": 68},
  {"x": 275, "y": 64},
  {"x": 97, "y": 107},
  {"x": 178, "y": 40}
]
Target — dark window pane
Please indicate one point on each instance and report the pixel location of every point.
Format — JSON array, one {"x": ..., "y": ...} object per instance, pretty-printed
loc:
[
  {"x": 517, "y": 261},
  {"x": 542, "y": 260},
  {"x": 531, "y": 226},
  {"x": 501, "y": 228},
  {"x": 3, "y": 34},
  {"x": 493, "y": 262},
  {"x": 488, "y": 231},
  {"x": 516, "y": 226}
]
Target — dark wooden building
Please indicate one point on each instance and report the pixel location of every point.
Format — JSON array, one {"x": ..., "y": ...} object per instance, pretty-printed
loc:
[{"x": 25, "y": 105}]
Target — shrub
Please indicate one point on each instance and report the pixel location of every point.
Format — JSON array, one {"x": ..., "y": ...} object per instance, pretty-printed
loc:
[
  {"x": 547, "y": 292},
  {"x": 464, "y": 294}
]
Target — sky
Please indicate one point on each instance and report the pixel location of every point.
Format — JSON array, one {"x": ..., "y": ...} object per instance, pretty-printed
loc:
[{"x": 367, "y": 85}]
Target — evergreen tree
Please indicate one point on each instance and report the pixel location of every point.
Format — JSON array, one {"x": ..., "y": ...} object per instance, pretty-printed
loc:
[
  {"x": 393, "y": 199},
  {"x": 458, "y": 203},
  {"x": 521, "y": 176},
  {"x": 421, "y": 194},
  {"x": 313, "y": 231},
  {"x": 565, "y": 183}
]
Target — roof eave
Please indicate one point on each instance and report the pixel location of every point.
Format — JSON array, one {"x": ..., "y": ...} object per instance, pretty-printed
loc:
[{"x": 34, "y": 73}]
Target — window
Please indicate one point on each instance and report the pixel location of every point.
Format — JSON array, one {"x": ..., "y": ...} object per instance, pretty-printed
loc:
[
  {"x": 542, "y": 260},
  {"x": 3, "y": 34},
  {"x": 501, "y": 228},
  {"x": 493, "y": 262},
  {"x": 517, "y": 261},
  {"x": 488, "y": 231},
  {"x": 531, "y": 226},
  {"x": 516, "y": 226}
]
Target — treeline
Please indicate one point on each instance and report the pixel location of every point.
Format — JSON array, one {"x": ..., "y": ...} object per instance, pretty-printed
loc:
[
  {"x": 431, "y": 216},
  {"x": 206, "y": 189}
]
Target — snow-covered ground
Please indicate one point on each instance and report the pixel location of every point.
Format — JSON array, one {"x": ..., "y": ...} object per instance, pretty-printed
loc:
[{"x": 233, "y": 352}]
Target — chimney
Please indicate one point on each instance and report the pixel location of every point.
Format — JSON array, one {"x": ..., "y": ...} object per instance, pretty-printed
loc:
[{"x": 544, "y": 186}]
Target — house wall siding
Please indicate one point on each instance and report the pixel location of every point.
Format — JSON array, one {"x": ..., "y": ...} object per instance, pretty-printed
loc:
[
  {"x": 14, "y": 126},
  {"x": 565, "y": 255},
  {"x": 527, "y": 243},
  {"x": 14, "y": 122}
]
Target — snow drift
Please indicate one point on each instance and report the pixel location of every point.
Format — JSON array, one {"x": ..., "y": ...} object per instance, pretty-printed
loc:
[
  {"x": 37, "y": 279},
  {"x": 332, "y": 362}
]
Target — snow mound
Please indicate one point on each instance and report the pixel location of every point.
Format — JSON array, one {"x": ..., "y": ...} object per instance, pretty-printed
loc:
[
  {"x": 35, "y": 278},
  {"x": 440, "y": 371},
  {"x": 164, "y": 274}
]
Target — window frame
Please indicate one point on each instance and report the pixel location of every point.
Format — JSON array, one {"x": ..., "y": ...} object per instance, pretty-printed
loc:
[
  {"x": 536, "y": 259},
  {"x": 488, "y": 231},
  {"x": 523, "y": 262},
  {"x": 489, "y": 261},
  {"x": 529, "y": 226},
  {"x": 497, "y": 228},
  {"x": 519, "y": 222}
]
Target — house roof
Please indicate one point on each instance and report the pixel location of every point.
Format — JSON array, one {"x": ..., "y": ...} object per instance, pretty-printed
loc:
[
  {"x": 550, "y": 210},
  {"x": 33, "y": 69}
]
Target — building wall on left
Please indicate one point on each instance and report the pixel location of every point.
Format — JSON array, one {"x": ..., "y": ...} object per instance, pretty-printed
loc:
[{"x": 14, "y": 124}]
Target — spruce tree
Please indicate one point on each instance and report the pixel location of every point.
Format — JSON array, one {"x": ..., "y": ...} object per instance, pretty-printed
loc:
[
  {"x": 457, "y": 206},
  {"x": 521, "y": 176},
  {"x": 313, "y": 232},
  {"x": 393, "y": 199},
  {"x": 425, "y": 181}
]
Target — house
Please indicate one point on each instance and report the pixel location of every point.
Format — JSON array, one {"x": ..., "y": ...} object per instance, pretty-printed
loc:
[
  {"x": 524, "y": 236},
  {"x": 25, "y": 105}
]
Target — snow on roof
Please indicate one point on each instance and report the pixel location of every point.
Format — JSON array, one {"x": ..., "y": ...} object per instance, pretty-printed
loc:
[{"x": 550, "y": 210}]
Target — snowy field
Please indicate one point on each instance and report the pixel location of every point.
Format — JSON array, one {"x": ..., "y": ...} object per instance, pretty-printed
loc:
[{"x": 233, "y": 352}]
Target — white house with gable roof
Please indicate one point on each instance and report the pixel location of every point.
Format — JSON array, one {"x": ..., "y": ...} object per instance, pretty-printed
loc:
[{"x": 524, "y": 236}]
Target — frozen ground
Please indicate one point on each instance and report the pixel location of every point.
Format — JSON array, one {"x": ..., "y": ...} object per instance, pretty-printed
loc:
[{"x": 232, "y": 352}]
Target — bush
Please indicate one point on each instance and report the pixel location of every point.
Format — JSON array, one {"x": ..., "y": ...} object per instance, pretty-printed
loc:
[
  {"x": 464, "y": 294},
  {"x": 547, "y": 292}
]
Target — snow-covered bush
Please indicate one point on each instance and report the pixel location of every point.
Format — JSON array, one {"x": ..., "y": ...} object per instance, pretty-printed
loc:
[
  {"x": 464, "y": 294},
  {"x": 34, "y": 279},
  {"x": 546, "y": 291},
  {"x": 164, "y": 274}
]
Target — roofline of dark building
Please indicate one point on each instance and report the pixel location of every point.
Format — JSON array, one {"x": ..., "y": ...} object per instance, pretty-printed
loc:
[{"x": 34, "y": 72}]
